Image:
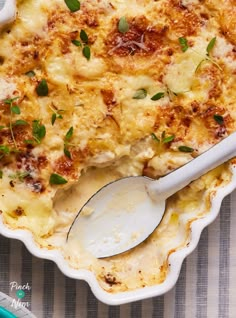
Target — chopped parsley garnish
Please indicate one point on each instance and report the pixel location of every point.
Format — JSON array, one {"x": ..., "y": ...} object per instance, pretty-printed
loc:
[
  {"x": 1, "y": 174},
  {"x": 158, "y": 96},
  {"x": 185, "y": 149},
  {"x": 123, "y": 25},
  {"x": 73, "y": 5},
  {"x": 42, "y": 88},
  {"x": 57, "y": 179},
  {"x": 219, "y": 119},
  {"x": 184, "y": 44},
  {"x": 140, "y": 94}
]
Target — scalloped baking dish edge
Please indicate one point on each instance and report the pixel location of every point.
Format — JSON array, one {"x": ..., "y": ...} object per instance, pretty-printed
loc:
[{"x": 175, "y": 259}]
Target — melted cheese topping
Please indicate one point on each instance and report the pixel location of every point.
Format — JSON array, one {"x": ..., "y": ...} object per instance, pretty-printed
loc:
[{"x": 112, "y": 131}]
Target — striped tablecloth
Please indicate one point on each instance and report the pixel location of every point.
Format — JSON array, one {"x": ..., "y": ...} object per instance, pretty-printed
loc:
[{"x": 206, "y": 287}]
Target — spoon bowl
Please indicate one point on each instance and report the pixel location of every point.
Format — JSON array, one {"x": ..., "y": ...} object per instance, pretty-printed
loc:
[
  {"x": 7, "y": 13},
  {"x": 125, "y": 212},
  {"x": 124, "y": 209}
]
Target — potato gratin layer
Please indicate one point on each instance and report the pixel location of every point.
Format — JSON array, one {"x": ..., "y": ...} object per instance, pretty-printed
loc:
[{"x": 113, "y": 89}]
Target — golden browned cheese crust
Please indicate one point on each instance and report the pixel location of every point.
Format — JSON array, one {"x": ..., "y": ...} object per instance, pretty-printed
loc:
[{"x": 154, "y": 93}]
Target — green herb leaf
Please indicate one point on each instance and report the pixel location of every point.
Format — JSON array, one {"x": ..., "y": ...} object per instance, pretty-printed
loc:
[
  {"x": 57, "y": 179},
  {"x": 185, "y": 149},
  {"x": 29, "y": 141},
  {"x": 184, "y": 44},
  {"x": 67, "y": 152},
  {"x": 20, "y": 122},
  {"x": 69, "y": 133},
  {"x": 219, "y": 119},
  {"x": 1, "y": 174},
  {"x": 76, "y": 43},
  {"x": 73, "y": 5},
  {"x": 53, "y": 119},
  {"x": 123, "y": 25},
  {"x": 4, "y": 149},
  {"x": 42, "y": 88},
  {"x": 9, "y": 101},
  {"x": 2, "y": 127},
  {"x": 30, "y": 74},
  {"x": 39, "y": 131},
  {"x": 158, "y": 96},
  {"x": 19, "y": 175},
  {"x": 200, "y": 64},
  {"x": 87, "y": 52},
  {"x": 15, "y": 110},
  {"x": 154, "y": 137},
  {"x": 211, "y": 45},
  {"x": 23, "y": 175},
  {"x": 55, "y": 116},
  {"x": 83, "y": 36},
  {"x": 168, "y": 139},
  {"x": 140, "y": 94}
]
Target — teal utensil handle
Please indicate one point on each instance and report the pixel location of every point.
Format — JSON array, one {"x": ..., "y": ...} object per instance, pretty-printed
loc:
[{"x": 5, "y": 313}]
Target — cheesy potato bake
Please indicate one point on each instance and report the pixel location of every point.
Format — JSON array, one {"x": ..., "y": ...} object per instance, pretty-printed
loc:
[{"x": 92, "y": 91}]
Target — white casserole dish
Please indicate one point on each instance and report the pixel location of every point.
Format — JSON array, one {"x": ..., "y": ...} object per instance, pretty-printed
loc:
[{"x": 175, "y": 260}]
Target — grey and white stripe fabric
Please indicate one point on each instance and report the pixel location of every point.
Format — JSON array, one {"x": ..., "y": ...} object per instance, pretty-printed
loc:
[{"x": 206, "y": 287}]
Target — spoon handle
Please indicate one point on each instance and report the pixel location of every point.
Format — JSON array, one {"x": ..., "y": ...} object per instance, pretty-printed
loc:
[
  {"x": 8, "y": 12},
  {"x": 181, "y": 177}
]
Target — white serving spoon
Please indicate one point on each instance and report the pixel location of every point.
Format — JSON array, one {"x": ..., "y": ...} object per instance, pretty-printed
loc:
[
  {"x": 8, "y": 13},
  {"x": 125, "y": 212}
]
